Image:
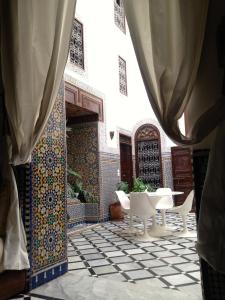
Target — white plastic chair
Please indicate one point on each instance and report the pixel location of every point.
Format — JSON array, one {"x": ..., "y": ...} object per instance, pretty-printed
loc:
[
  {"x": 125, "y": 205},
  {"x": 124, "y": 200},
  {"x": 165, "y": 203},
  {"x": 183, "y": 210},
  {"x": 140, "y": 206}
]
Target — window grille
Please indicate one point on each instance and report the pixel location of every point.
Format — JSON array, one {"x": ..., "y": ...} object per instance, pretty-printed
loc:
[
  {"x": 119, "y": 15},
  {"x": 77, "y": 45},
  {"x": 122, "y": 76}
]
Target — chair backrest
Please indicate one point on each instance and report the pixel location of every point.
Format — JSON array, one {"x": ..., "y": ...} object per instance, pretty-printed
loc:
[
  {"x": 187, "y": 205},
  {"x": 140, "y": 204},
  {"x": 124, "y": 200},
  {"x": 166, "y": 200}
]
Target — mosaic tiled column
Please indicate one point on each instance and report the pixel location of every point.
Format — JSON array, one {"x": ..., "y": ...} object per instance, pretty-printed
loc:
[
  {"x": 167, "y": 170},
  {"x": 45, "y": 212},
  {"x": 109, "y": 166}
]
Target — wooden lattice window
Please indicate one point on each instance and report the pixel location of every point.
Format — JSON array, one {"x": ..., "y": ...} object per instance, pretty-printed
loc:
[
  {"x": 148, "y": 155},
  {"x": 122, "y": 76},
  {"x": 119, "y": 15},
  {"x": 77, "y": 44}
]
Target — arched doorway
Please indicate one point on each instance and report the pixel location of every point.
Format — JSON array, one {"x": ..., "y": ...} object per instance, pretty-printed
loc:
[{"x": 148, "y": 155}]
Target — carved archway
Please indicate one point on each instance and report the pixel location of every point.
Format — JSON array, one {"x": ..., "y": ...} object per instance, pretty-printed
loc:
[{"x": 148, "y": 155}]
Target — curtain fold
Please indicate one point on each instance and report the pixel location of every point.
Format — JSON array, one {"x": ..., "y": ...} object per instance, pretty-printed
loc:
[
  {"x": 34, "y": 43},
  {"x": 168, "y": 40},
  {"x": 211, "y": 242}
]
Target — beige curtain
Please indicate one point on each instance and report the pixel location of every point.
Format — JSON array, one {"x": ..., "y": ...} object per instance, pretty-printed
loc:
[
  {"x": 34, "y": 41},
  {"x": 168, "y": 39}
]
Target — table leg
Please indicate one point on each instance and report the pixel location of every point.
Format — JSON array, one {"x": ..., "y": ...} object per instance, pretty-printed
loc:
[
  {"x": 157, "y": 230},
  {"x": 145, "y": 236},
  {"x": 163, "y": 213}
]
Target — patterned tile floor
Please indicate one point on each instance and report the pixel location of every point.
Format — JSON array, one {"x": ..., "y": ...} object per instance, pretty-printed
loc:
[{"x": 105, "y": 251}]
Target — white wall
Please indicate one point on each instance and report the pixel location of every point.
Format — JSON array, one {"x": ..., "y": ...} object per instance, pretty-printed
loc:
[{"x": 103, "y": 43}]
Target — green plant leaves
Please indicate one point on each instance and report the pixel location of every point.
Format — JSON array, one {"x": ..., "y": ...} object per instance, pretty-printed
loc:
[
  {"x": 77, "y": 187},
  {"x": 123, "y": 186},
  {"x": 140, "y": 186},
  {"x": 73, "y": 173}
]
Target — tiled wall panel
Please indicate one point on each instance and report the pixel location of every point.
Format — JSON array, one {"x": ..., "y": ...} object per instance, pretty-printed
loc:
[
  {"x": 167, "y": 170},
  {"x": 109, "y": 167},
  {"x": 82, "y": 151},
  {"x": 48, "y": 248},
  {"x": 83, "y": 157}
]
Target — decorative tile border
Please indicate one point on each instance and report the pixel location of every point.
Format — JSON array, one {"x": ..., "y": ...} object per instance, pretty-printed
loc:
[
  {"x": 72, "y": 226},
  {"x": 48, "y": 275},
  {"x": 23, "y": 177}
]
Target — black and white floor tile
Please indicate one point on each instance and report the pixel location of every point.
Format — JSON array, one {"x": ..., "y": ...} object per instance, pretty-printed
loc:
[
  {"x": 170, "y": 262},
  {"x": 106, "y": 251}
]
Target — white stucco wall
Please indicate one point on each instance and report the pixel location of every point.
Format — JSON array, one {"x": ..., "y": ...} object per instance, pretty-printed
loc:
[{"x": 103, "y": 43}]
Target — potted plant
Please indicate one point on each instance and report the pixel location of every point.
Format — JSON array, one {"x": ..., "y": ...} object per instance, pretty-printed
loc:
[
  {"x": 86, "y": 197},
  {"x": 70, "y": 191},
  {"x": 123, "y": 186},
  {"x": 76, "y": 186},
  {"x": 140, "y": 186},
  {"x": 150, "y": 188}
]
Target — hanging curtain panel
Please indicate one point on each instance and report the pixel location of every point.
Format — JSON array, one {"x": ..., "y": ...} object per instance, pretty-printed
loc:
[
  {"x": 34, "y": 48},
  {"x": 168, "y": 40},
  {"x": 35, "y": 37}
]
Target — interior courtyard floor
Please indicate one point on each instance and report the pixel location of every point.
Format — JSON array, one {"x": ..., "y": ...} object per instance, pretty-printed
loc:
[{"x": 107, "y": 263}]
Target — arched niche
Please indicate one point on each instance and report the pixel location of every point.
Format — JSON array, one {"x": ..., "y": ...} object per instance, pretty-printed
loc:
[{"x": 148, "y": 155}]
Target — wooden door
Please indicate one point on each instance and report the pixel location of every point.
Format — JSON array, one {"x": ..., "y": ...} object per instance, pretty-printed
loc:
[
  {"x": 126, "y": 164},
  {"x": 182, "y": 173}
]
